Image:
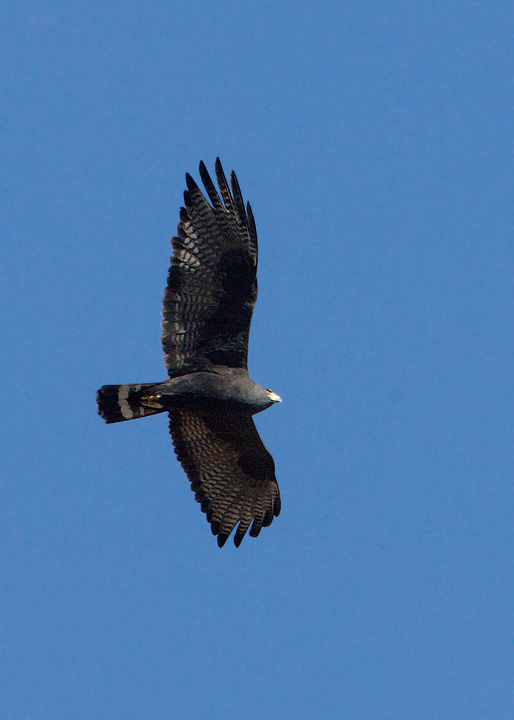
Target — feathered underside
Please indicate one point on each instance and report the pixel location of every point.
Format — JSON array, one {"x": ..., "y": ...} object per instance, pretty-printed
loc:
[
  {"x": 231, "y": 471},
  {"x": 212, "y": 281}
]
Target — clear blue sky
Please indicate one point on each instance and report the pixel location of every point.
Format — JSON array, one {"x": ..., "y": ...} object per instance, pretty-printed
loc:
[{"x": 374, "y": 141}]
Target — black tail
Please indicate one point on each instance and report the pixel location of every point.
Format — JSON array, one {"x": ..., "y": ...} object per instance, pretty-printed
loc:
[{"x": 117, "y": 403}]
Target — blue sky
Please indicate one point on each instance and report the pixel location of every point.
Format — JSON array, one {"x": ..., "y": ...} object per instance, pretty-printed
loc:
[{"x": 374, "y": 141}]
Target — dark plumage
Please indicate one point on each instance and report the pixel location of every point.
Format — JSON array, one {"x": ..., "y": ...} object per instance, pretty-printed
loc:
[{"x": 210, "y": 397}]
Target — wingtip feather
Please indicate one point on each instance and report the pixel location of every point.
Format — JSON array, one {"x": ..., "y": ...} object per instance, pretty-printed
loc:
[
  {"x": 222, "y": 539},
  {"x": 190, "y": 182}
]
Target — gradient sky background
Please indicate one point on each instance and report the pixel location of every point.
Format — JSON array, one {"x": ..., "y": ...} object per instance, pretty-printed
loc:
[{"x": 374, "y": 141}]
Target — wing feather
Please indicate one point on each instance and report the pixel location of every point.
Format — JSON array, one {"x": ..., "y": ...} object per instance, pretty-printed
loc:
[
  {"x": 231, "y": 471},
  {"x": 212, "y": 281}
]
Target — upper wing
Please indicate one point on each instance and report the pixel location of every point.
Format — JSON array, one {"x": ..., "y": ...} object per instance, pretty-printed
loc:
[
  {"x": 212, "y": 282},
  {"x": 231, "y": 472}
]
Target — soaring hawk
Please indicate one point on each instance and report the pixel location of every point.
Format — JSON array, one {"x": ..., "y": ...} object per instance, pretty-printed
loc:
[{"x": 210, "y": 397}]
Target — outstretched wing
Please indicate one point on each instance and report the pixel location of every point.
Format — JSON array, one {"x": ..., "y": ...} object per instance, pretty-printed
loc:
[
  {"x": 212, "y": 282},
  {"x": 231, "y": 472}
]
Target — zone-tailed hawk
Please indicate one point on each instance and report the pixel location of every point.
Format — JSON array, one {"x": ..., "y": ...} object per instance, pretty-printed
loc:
[{"x": 210, "y": 397}]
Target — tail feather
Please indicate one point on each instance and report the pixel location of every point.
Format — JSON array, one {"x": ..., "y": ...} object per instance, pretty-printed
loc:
[{"x": 117, "y": 403}]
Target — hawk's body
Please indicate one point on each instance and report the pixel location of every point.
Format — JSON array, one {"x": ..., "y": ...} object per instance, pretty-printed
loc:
[{"x": 210, "y": 397}]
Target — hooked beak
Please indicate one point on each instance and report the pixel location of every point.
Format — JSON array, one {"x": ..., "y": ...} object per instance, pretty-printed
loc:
[{"x": 273, "y": 396}]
